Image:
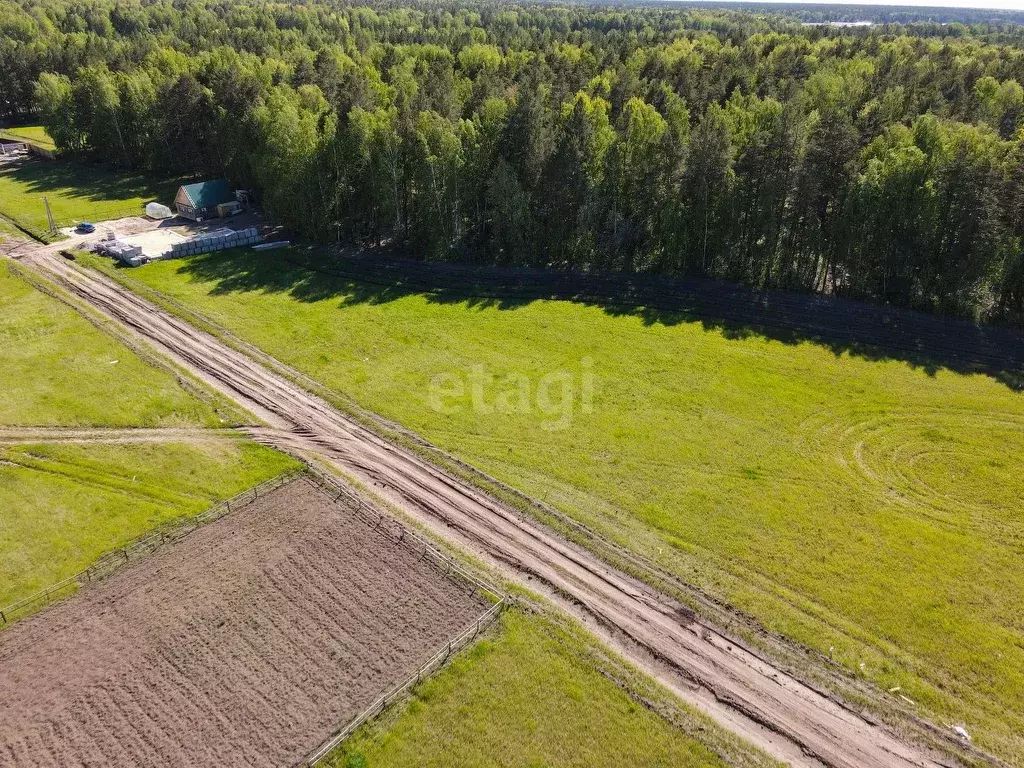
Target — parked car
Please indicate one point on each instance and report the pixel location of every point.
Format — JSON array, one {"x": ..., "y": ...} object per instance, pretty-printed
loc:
[{"x": 86, "y": 228}]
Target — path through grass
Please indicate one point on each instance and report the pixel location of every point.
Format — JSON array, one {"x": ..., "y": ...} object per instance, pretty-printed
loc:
[
  {"x": 538, "y": 695},
  {"x": 860, "y": 505},
  {"x": 62, "y": 506}
]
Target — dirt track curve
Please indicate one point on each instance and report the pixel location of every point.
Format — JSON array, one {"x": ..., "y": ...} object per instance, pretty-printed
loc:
[{"x": 744, "y": 693}]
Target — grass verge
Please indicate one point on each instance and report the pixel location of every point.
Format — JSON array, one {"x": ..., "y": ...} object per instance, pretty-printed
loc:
[
  {"x": 58, "y": 370},
  {"x": 9, "y": 233},
  {"x": 536, "y": 691}
]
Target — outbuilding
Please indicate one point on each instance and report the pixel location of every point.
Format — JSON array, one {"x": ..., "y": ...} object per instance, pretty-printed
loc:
[
  {"x": 10, "y": 147},
  {"x": 199, "y": 201}
]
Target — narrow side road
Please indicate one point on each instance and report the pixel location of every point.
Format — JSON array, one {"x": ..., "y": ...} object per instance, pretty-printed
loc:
[
  {"x": 788, "y": 719},
  {"x": 192, "y": 435}
]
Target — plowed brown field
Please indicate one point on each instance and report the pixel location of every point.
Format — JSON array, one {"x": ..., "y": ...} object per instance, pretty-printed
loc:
[{"x": 246, "y": 643}]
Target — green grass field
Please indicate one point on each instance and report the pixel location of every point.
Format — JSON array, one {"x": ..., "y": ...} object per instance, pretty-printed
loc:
[
  {"x": 859, "y": 505},
  {"x": 76, "y": 193},
  {"x": 59, "y": 370},
  {"x": 64, "y": 505},
  {"x": 9, "y": 232},
  {"x": 535, "y": 687},
  {"x": 531, "y": 694},
  {"x": 34, "y": 134}
]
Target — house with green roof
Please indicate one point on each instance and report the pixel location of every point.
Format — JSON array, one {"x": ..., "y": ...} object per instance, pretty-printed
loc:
[{"x": 199, "y": 201}]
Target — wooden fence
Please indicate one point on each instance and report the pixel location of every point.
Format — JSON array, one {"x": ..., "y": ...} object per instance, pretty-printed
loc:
[
  {"x": 98, "y": 213},
  {"x": 35, "y": 149},
  {"x": 384, "y": 524},
  {"x": 117, "y": 558},
  {"x": 381, "y": 703},
  {"x": 135, "y": 549},
  {"x": 399, "y": 534},
  {"x": 38, "y": 229}
]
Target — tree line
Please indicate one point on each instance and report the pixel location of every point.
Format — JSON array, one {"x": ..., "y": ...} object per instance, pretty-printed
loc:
[{"x": 884, "y": 163}]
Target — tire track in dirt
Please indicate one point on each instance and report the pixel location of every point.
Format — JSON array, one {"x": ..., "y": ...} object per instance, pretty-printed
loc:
[
  {"x": 191, "y": 436},
  {"x": 790, "y": 720}
]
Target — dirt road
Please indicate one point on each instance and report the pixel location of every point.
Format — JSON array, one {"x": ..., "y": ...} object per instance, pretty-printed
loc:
[
  {"x": 744, "y": 693},
  {"x": 18, "y": 435}
]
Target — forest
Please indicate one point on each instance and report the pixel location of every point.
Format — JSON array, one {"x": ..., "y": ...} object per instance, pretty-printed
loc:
[{"x": 882, "y": 163}]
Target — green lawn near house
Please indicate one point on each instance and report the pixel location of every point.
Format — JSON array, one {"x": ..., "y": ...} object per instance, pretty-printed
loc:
[
  {"x": 76, "y": 192},
  {"x": 34, "y": 134}
]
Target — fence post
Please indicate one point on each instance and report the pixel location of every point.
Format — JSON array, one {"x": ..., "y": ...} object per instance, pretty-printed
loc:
[{"x": 3, "y": 616}]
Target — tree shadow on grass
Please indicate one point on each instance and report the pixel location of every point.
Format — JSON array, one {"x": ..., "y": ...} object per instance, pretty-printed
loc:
[
  {"x": 94, "y": 183},
  {"x": 864, "y": 330}
]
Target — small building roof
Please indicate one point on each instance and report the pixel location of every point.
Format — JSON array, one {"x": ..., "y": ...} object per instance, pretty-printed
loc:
[{"x": 208, "y": 194}]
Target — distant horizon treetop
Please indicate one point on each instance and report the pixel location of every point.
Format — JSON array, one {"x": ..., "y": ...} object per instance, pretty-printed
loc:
[
  {"x": 886, "y": 12},
  {"x": 883, "y": 162}
]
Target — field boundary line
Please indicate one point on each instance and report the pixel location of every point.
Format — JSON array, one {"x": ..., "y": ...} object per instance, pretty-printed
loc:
[
  {"x": 117, "y": 558},
  {"x": 386, "y": 525},
  {"x": 382, "y": 522},
  {"x": 433, "y": 664},
  {"x": 339, "y": 495},
  {"x": 621, "y": 289}
]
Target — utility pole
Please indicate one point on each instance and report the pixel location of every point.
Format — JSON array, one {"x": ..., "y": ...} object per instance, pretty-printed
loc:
[{"x": 49, "y": 215}]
